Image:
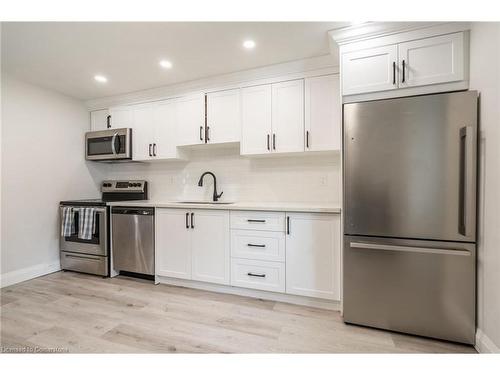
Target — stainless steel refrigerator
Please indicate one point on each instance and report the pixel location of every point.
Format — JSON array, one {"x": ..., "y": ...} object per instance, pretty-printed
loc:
[{"x": 410, "y": 214}]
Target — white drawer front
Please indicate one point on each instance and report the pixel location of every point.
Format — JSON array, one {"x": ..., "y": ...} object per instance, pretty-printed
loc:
[
  {"x": 258, "y": 245},
  {"x": 256, "y": 274},
  {"x": 258, "y": 220}
]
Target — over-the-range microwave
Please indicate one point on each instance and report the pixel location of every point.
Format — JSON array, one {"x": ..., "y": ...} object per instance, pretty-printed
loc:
[{"x": 109, "y": 145}]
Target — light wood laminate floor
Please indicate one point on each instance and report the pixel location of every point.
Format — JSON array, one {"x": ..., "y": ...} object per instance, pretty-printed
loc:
[{"x": 79, "y": 313}]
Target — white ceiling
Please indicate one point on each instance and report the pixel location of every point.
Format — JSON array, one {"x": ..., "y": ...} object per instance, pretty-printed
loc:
[{"x": 66, "y": 56}]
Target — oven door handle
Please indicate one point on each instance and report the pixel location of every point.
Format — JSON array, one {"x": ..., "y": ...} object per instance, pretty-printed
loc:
[{"x": 98, "y": 210}]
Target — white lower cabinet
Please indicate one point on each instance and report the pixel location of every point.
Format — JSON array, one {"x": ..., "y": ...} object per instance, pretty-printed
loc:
[
  {"x": 193, "y": 244},
  {"x": 299, "y": 255},
  {"x": 258, "y": 250},
  {"x": 260, "y": 245},
  {"x": 313, "y": 255},
  {"x": 210, "y": 246},
  {"x": 258, "y": 274},
  {"x": 173, "y": 243}
]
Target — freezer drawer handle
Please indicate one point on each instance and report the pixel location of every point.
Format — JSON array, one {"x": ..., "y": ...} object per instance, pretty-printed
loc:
[
  {"x": 254, "y": 245},
  {"x": 409, "y": 249}
]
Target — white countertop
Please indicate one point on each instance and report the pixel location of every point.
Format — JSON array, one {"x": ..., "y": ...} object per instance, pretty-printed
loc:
[{"x": 248, "y": 206}]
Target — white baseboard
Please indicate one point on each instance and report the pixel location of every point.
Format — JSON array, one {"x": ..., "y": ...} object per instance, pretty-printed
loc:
[
  {"x": 273, "y": 296},
  {"x": 14, "y": 277},
  {"x": 484, "y": 343}
]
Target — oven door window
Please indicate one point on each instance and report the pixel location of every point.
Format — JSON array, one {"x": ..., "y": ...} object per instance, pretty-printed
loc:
[{"x": 96, "y": 238}]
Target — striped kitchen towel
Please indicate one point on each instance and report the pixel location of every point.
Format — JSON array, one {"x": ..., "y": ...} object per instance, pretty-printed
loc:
[
  {"x": 86, "y": 221},
  {"x": 67, "y": 222}
]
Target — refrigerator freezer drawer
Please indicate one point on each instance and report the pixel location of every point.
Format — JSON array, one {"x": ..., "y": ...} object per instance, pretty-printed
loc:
[{"x": 425, "y": 288}]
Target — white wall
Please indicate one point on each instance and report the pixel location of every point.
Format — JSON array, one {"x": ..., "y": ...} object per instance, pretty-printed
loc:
[
  {"x": 485, "y": 77},
  {"x": 42, "y": 164},
  {"x": 305, "y": 178}
]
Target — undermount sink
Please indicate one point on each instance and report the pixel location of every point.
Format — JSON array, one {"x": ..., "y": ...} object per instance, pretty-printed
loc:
[{"x": 203, "y": 202}]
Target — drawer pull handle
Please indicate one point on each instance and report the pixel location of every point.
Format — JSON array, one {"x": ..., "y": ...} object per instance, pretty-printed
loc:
[
  {"x": 253, "y": 245},
  {"x": 82, "y": 257},
  {"x": 256, "y": 274},
  {"x": 256, "y": 220}
]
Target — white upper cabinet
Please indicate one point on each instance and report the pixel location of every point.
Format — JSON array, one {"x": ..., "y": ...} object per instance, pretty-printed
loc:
[
  {"x": 99, "y": 120},
  {"x": 284, "y": 117},
  {"x": 369, "y": 70},
  {"x": 419, "y": 62},
  {"x": 432, "y": 60},
  {"x": 313, "y": 255},
  {"x": 164, "y": 130},
  {"x": 272, "y": 118},
  {"x": 173, "y": 243},
  {"x": 256, "y": 120},
  {"x": 122, "y": 117},
  {"x": 323, "y": 115},
  {"x": 142, "y": 132},
  {"x": 288, "y": 116},
  {"x": 210, "y": 246},
  {"x": 154, "y": 132},
  {"x": 190, "y": 119},
  {"x": 223, "y": 116}
]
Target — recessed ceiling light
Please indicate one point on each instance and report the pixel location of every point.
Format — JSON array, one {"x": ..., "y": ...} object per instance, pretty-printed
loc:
[
  {"x": 249, "y": 44},
  {"x": 165, "y": 64},
  {"x": 100, "y": 78}
]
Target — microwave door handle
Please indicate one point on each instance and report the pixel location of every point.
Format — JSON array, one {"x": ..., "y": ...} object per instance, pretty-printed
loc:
[{"x": 113, "y": 143}]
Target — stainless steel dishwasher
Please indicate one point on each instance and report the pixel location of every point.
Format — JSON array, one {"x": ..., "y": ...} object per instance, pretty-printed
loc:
[{"x": 133, "y": 240}]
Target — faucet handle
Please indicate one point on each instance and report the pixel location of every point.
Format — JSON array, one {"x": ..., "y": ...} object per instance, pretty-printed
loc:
[{"x": 220, "y": 195}]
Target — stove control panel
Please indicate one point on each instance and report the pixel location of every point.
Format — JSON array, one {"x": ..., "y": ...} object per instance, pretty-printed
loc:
[{"x": 115, "y": 186}]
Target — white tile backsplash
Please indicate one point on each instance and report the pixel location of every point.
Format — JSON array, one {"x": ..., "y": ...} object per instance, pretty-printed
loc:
[{"x": 302, "y": 178}]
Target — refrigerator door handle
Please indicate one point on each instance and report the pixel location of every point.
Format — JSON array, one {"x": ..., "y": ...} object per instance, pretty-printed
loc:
[
  {"x": 409, "y": 249},
  {"x": 467, "y": 181}
]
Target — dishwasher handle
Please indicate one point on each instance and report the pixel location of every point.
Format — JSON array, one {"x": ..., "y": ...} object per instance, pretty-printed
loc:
[{"x": 133, "y": 211}]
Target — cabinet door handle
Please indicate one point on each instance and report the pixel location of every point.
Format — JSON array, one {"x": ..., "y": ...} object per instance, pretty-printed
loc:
[
  {"x": 150, "y": 150},
  {"x": 254, "y": 245},
  {"x": 256, "y": 274},
  {"x": 404, "y": 70},
  {"x": 256, "y": 220},
  {"x": 207, "y": 136},
  {"x": 192, "y": 220},
  {"x": 201, "y": 135},
  {"x": 288, "y": 225},
  {"x": 154, "y": 149},
  {"x": 187, "y": 220},
  {"x": 307, "y": 138},
  {"x": 274, "y": 141},
  {"x": 108, "y": 122},
  {"x": 268, "y": 146},
  {"x": 394, "y": 72}
]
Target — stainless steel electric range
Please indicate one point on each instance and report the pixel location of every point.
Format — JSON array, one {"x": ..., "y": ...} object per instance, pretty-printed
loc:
[{"x": 92, "y": 255}]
